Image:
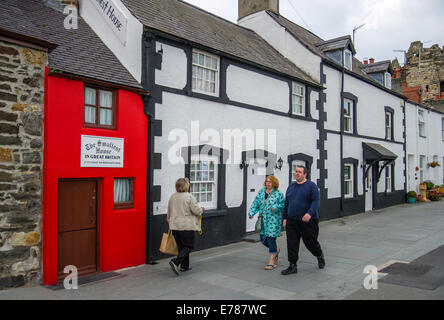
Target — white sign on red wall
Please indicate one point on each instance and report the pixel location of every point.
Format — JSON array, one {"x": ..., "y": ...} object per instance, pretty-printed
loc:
[
  {"x": 101, "y": 152},
  {"x": 113, "y": 16}
]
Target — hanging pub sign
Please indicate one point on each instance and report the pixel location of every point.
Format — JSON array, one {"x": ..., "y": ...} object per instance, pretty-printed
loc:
[
  {"x": 113, "y": 16},
  {"x": 101, "y": 152}
]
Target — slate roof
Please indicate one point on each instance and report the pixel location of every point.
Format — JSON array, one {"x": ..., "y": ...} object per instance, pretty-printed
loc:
[
  {"x": 193, "y": 24},
  {"x": 78, "y": 52},
  {"x": 337, "y": 43},
  {"x": 374, "y": 151},
  {"x": 316, "y": 44},
  {"x": 380, "y": 66}
]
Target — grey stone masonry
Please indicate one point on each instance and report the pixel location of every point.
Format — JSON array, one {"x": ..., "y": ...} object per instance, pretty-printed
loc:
[{"x": 22, "y": 73}]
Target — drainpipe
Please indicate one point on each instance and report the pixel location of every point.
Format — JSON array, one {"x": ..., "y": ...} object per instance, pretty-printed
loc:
[
  {"x": 341, "y": 129},
  {"x": 147, "y": 108}
]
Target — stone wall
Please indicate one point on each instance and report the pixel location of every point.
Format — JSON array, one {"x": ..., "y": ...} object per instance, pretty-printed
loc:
[
  {"x": 425, "y": 68},
  {"x": 21, "y": 156}
]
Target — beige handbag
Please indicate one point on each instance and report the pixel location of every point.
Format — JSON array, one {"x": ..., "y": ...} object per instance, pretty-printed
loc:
[{"x": 168, "y": 244}]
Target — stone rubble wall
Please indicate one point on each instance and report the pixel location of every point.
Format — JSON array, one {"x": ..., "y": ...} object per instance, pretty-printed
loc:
[
  {"x": 21, "y": 156},
  {"x": 425, "y": 68}
]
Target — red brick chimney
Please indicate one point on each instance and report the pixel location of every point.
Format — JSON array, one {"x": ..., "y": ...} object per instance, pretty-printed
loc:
[
  {"x": 365, "y": 60},
  {"x": 372, "y": 60}
]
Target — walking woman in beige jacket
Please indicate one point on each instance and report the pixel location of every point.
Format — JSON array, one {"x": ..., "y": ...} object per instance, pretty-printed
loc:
[{"x": 184, "y": 220}]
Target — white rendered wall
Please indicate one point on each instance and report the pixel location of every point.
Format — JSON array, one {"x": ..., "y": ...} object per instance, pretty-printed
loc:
[
  {"x": 333, "y": 103},
  {"x": 333, "y": 165},
  {"x": 177, "y": 112},
  {"x": 174, "y": 67},
  {"x": 371, "y": 109},
  {"x": 255, "y": 89},
  {"x": 128, "y": 53},
  {"x": 284, "y": 42},
  {"x": 429, "y": 146}
]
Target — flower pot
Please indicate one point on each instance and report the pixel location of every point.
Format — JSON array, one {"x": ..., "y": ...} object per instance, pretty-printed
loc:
[
  {"x": 411, "y": 200},
  {"x": 441, "y": 190}
]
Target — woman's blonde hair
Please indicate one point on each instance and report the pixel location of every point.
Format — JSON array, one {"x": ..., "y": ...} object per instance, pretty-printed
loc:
[
  {"x": 274, "y": 181},
  {"x": 182, "y": 185}
]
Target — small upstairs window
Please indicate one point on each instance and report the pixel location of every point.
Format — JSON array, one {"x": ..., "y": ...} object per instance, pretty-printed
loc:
[
  {"x": 348, "y": 59},
  {"x": 298, "y": 99},
  {"x": 421, "y": 124},
  {"x": 99, "y": 108},
  {"x": 388, "y": 80},
  {"x": 205, "y": 77},
  {"x": 348, "y": 116}
]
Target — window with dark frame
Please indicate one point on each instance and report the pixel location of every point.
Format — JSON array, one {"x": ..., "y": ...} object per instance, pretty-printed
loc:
[
  {"x": 389, "y": 122},
  {"x": 123, "y": 193},
  {"x": 99, "y": 108}
]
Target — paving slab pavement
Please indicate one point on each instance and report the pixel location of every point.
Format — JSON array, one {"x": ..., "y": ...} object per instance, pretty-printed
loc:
[{"x": 236, "y": 271}]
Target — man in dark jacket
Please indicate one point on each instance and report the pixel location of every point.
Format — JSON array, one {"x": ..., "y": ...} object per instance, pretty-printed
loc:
[{"x": 301, "y": 219}]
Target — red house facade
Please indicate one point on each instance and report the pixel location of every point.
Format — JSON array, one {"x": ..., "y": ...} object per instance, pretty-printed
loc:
[
  {"x": 95, "y": 140},
  {"x": 85, "y": 224}
]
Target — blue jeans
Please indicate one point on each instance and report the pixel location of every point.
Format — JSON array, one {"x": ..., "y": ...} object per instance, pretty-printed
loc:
[{"x": 270, "y": 243}]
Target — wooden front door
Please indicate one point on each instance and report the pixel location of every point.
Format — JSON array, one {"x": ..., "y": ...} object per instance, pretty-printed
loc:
[{"x": 77, "y": 226}]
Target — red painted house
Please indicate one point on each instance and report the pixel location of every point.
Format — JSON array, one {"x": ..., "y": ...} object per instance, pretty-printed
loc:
[
  {"x": 86, "y": 223},
  {"x": 95, "y": 150}
]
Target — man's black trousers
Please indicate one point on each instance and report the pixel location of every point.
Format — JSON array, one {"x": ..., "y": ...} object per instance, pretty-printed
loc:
[
  {"x": 308, "y": 231},
  {"x": 185, "y": 243}
]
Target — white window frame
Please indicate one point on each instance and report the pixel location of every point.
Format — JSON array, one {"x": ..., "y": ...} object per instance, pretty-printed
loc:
[
  {"x": 298, "y": 99},
  {"x": 388, "y": 80},
  {"x": 388, "y": 179},
  {"x": 388, "y": 126},
  {"x": 196, "y": 184},
  {"x": 348, "y": 63},
  {"x": 421, "y": 124},
  {"x": 422, "y": 164},
  {"x": 199, "y": 68},
  {"x": 349, "y": 181},
  {"x": 348, "y": 117}
]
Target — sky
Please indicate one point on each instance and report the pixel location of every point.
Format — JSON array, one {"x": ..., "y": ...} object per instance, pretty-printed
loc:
[{"x": 388, "y": 24}]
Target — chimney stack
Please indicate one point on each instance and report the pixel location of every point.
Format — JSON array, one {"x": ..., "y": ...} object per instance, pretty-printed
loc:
[
  {"x": 365, "y": 60},
  {"x": 247, "y": 7},
  {"x": 372, "y": 60}
]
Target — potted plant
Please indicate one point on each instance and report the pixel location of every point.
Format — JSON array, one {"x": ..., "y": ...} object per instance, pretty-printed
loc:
[
  {"x": 411, "y": 197},
  {"x": 419, "y": 198},
  {"x": 433, "y": 164},
  {"x": 433, "y": 195}
]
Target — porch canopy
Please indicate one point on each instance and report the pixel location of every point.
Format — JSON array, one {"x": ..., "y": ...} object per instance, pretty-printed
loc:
[{"x": 374, "y": 153}]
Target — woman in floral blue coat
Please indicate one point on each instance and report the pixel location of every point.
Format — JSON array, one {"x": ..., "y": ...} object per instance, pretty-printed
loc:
[{"x": 269, "y": 203}]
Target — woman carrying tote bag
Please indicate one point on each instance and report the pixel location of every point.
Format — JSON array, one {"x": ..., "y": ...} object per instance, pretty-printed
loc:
[{"x": 183, "y": 217}]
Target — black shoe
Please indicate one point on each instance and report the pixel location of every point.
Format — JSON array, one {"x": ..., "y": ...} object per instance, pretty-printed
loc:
[
  {"x": 321, "y": 262},
  {"x": 291, "y": 269},
  {"x": 174, "y": 267},
  {"x": 185, "y": 269}
]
